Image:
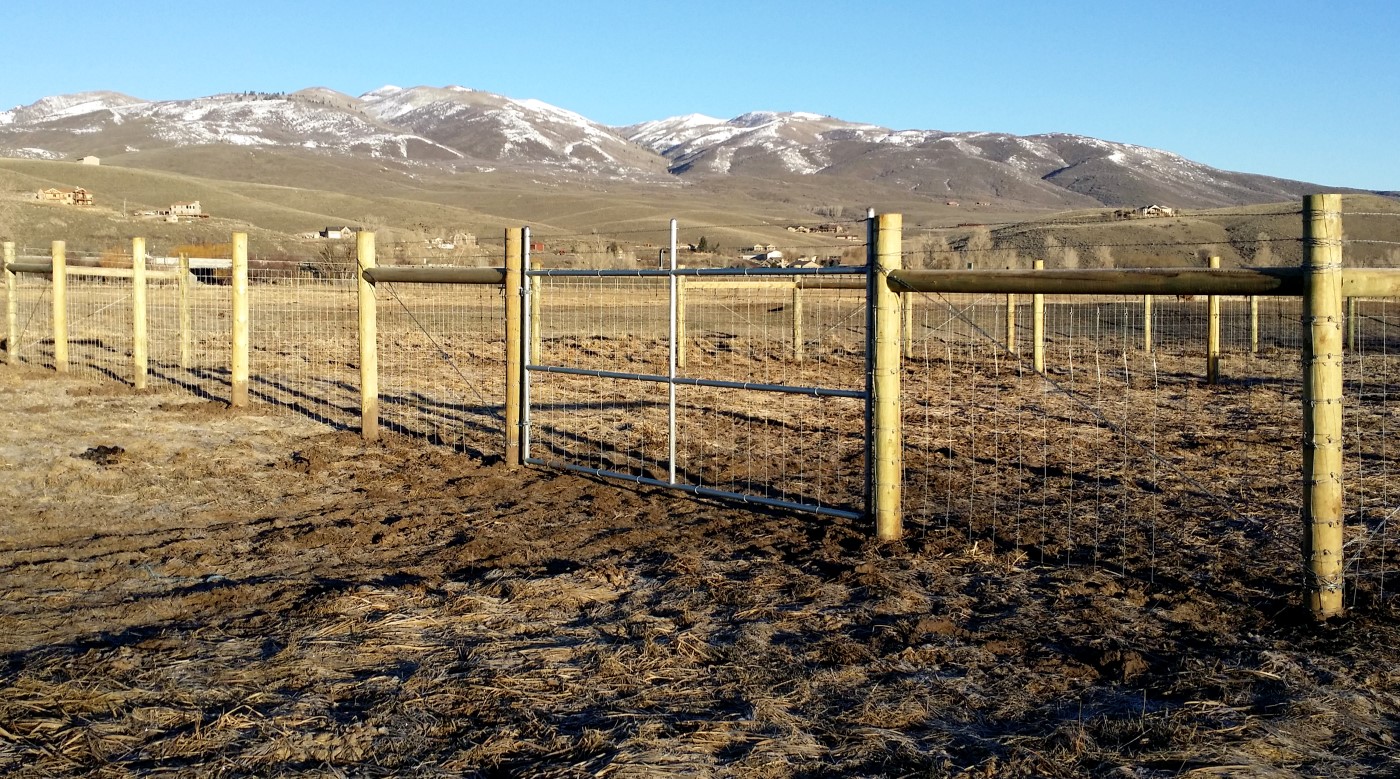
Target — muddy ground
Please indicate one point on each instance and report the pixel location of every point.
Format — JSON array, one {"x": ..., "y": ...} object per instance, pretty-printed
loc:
[{"x": 191, "y": 590}]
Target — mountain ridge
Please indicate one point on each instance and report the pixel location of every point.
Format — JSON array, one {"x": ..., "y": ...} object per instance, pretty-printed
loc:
[{"x": 465, "y": 130}]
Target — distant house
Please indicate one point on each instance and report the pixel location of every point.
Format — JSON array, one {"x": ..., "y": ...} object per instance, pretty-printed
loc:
[
  {"x": 69, "y": 197},
  {"x": 337, "y": 233},
  {"x": 89, "y": 160},
  {"x": 1156, "y": 210},
  {"x": 191, "y": 208},
  {"x": 950, "y": 203}
]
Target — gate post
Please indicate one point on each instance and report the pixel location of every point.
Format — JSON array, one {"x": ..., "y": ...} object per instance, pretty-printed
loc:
[
  {"x": 59, "y": 285},
  {"x": 11, "y": 307},
  {"x": 515, "y": 260},
  {"x": 886, "y": 433},
  {"x": 365, "y": 260},
  {"x": 1322, "y": 404},
  {"x": 1213, "y": 332},
  {"x": 238, "y": 368}
]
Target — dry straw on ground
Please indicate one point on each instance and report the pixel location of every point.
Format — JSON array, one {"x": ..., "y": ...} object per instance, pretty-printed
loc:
[{"x": 245, "y": 595}]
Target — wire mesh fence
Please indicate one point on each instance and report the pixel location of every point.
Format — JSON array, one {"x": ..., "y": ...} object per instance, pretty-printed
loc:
[
  {"x": 33, "y": 319},
  {"x": 1118, "y": 454},
  {"x": 442, "y": 364},
  {"x": 1372, "y": 461},
  {"x": 1114, "y": 456}
]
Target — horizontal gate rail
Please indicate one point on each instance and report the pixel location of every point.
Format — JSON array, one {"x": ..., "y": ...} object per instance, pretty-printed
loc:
[
  {"x": 834, "y": 270},
  {"x": 821, "y": 392},
  {"x": 694, "y": 489}
]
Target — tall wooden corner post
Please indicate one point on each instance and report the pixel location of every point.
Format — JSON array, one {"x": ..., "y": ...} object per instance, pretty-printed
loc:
[
  {"x": 238, "y": 392},
  {"x": 515, "y": 261},
  {"x": 1322, "y": 404},
  {"x": 369, "y": 336},
  {"x": 59, "y": 288},
  {"x": 886, "y": 445}
]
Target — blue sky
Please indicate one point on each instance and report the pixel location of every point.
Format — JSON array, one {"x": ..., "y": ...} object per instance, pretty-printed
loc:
[{"x": 1304, "y": 90}]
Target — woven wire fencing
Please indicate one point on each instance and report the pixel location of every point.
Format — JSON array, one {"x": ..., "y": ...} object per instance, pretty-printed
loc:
[
  {"x": 1115, "y": 456},
  {"x": 442, "y": 364},
  {"x": 34, "y": 319}
]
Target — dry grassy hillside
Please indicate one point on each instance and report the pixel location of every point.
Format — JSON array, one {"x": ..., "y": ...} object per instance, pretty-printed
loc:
[{"x": 276, "y": 196}]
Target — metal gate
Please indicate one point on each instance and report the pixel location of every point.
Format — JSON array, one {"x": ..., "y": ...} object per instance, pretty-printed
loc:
[{"x": 741, "y": 383}]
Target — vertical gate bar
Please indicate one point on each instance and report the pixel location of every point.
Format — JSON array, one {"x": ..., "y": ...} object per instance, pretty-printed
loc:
[
  {"x": 798, "y": 351},
  {"x": 869, "y": 429},
  {"x": 671, "y": 362},
  {"x": 530, "y": 314}
]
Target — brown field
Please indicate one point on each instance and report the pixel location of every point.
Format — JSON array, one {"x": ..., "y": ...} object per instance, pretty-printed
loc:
[{"x": 1100, "y": 575}]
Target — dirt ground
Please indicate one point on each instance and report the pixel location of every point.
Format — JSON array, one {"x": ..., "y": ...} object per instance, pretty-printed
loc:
[{"x": 192, "y": 590}]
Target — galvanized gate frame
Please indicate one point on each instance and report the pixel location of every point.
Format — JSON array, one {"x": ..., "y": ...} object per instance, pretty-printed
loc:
[{"x": 674, "y": 379}]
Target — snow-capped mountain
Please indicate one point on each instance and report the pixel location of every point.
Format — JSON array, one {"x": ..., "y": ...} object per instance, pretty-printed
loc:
[
  {"x": 1052, "y": 169},
  {"x": 483, "y": 125},
  {"x": 462, "y": 129}
]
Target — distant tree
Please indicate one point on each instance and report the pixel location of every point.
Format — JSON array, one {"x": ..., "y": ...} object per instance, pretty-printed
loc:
[
  {"x": 703, "y": 246},
  {"x": 976, "y": 250},
  {"x": 934, "y": 253}
]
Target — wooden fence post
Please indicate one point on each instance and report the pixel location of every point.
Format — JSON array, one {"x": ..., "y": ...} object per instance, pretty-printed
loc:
[
  {"x": 140, "y": 346},
  {"x": 1253, "y": 324},
  {"x": 369, "y": 337},
  {"x": 1213, "y": 332},
  {"x": 59, "y": 251},
  {"x": 1011, "y": 345},
  {"x": 1038, "y": 327},
  {"x": 886, "y": 430},
  {"x": 11, "y": 306},
  {"x": 183, "y": 285},
  {"x": 1147, "y": 323},
  {"x": 238, "y": 393},
  {"x": 1322, "y": 404},
  {"x": 799, "y": 350},
  {"x": 515, "y": 260}
]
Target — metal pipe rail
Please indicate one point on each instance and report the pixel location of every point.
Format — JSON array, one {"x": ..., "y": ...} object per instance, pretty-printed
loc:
[
  {"x": 694, "y": 489},
  {"x": 685, "y": 381}
]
